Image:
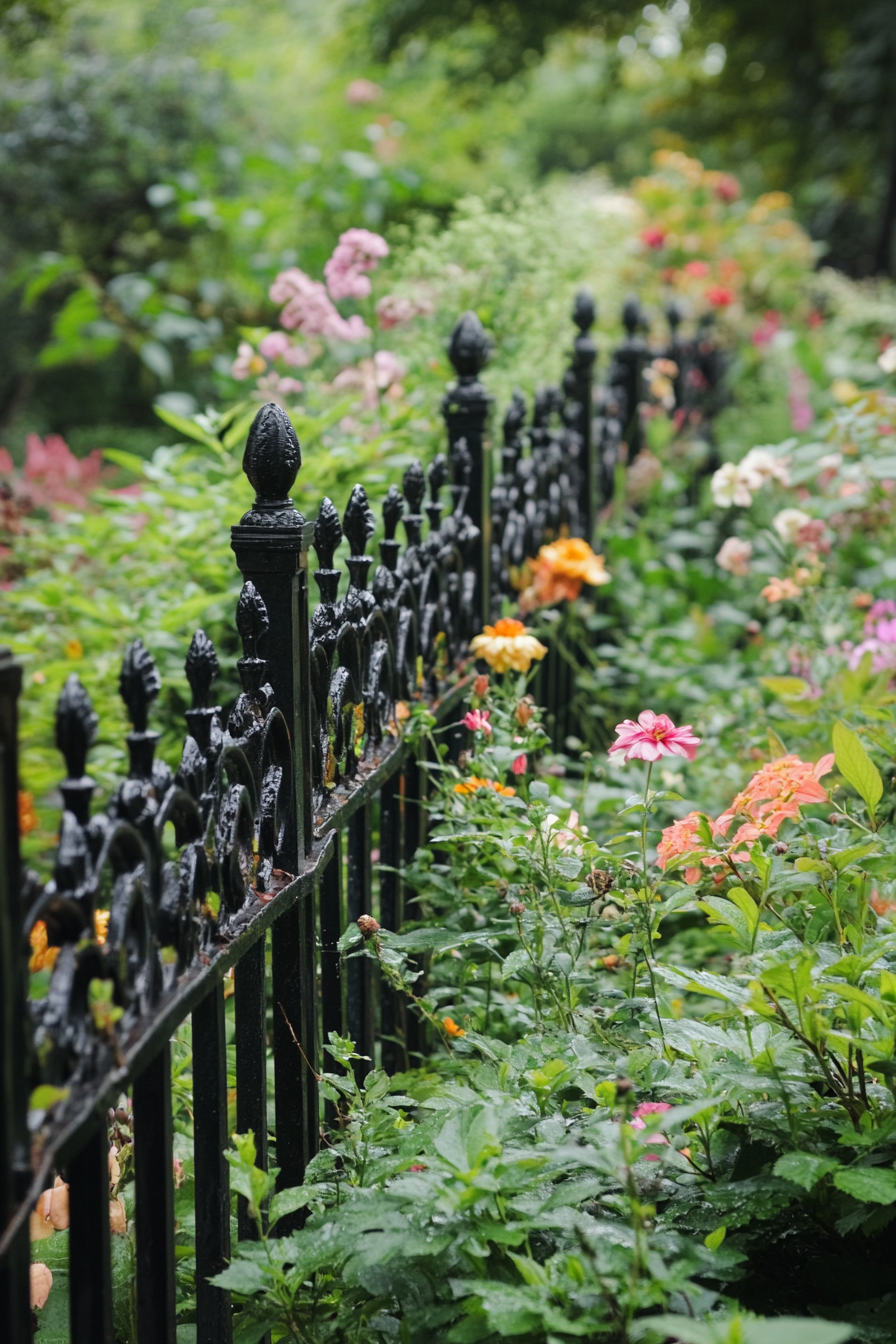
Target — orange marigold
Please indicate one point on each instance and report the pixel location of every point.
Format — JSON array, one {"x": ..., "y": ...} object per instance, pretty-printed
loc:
[
  {"x": 452, "y": 1028},
  {"x": 560, "y": 570},
  {"x": 476, "y": 782},
  {"x": 43, "y": 957}
]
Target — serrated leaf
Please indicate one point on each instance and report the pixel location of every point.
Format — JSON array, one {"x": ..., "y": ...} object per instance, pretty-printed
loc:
[
  {"x": 871, "y": 1185},
  {"x": 856, "y": 766},
  {"x": 803, "y": 1169},
  {"x": 287, "y": 1201}
]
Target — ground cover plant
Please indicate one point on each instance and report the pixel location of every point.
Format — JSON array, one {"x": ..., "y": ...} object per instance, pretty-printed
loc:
[{"x": 655, "y": 962}]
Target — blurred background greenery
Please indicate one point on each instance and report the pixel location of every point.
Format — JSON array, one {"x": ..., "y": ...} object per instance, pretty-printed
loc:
[{"x": 161, "y": 162}]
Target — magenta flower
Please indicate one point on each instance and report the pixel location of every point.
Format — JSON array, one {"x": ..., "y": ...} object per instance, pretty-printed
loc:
[
  {"x": 519, "y": 764},
  {"x": 477, "y": 721},
  {"x": 653, "y": 736}
]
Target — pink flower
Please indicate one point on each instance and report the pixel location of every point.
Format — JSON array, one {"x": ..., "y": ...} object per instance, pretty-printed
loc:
[
  {"x": 274, "y": 345},
  {"x": 296, "y": 356},
  {"x": 361, "y": 91},
  {"x": 801, "y": 413},
  {"x": 720, "y": 296},
  {"x": 698, "y": 269},
  {"x": 653, "y": 736},
  {"x": 734, "y": 555},
  {"x": 884, "y": 606},
  {"x": 650, "y": 1108},
  {"x": 393, "y": 311},
  {"x": 653, "y": 236},
  {"x": 356, "y": 253},
  {"x": 310, "y": 309},
  {"x": 389, "y": 368},
  {"x": 767, "y": 330},
  {"x": 477, "y": 721},
  {"x": 519, "y": 765},
  {"x": 727, "y": 188}
]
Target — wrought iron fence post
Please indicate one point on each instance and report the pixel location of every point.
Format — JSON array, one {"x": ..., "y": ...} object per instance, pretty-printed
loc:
[
  {"x": 465, "y": 407},
  {"x": 582, "y": 369},
  {"x": 15, "y": 1314},
  {"x": 271, "y": 545},
  {"x": 629, "y": 361}
]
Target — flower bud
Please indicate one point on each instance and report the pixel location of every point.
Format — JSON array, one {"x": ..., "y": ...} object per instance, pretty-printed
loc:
[
  {"x": 368, "y": 925},
  {"x": 781, "y": 848},
  {"x": 517, "y": 908},
  {"x": 524, "y": 710},
  {"x": 480, "y": 685}
]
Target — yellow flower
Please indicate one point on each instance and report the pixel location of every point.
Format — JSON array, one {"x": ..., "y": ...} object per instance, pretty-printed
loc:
[
  {"x": 101, "y": 925},
  {"x": 508, "y": 644},
  {"x": 74, "y": 649},
  {"x": 452, "y": 1028},
  {"x": 559, "y": 571},
  {"x": 845, "y": 391},
  {"x": 476, "y": 782},
  {"x": 27, "y": 814}
]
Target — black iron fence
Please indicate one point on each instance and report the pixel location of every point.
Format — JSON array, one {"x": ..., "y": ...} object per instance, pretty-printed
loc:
[{"x": 267, "y": 823}]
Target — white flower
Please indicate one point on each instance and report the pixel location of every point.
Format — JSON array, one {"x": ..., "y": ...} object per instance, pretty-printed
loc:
[
  {"x": 728, "y": 487},
  {"x": 788, "y": 522},
  {"x": 762, "y": 465},
  {"x": 887, "y": 358},
  {"x": 735, "y": 556}
]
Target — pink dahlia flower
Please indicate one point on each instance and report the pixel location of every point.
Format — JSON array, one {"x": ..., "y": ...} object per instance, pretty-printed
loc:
[{"x": 653, "y": 736}]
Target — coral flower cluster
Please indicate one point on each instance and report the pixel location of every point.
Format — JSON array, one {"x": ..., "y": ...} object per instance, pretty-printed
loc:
[
  {"x": 773, "y": 796},
  {"x": 559, "y": 571}
]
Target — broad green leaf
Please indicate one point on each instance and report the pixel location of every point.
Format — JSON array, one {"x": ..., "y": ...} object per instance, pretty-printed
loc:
[
  {"x": 775, "y": 745},
  {"x": 187, "y": 427},
  {"x": 845, "y": 857},
  {"x": 856, "y": 766},
  {"x": 243, "y": 1276},
  {"x": 805, "y": 1169},
  {"x": 741, "y": 1330},
  {"x": 730, "y": 916},
  {"x": 713, "y": 1240},
  {"x": 287, "y": 1201},
  {"x": 785, "y": 688},
  {"x": 858, "y": 996},
  {"x": 871, "y": 1185}
]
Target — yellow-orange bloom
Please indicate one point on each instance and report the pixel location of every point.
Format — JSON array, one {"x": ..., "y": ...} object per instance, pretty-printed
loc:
[
  {"x": 508, "y": 644},
  {"x": 559, "y": 571},
  {"x": 100, "y": 925},
  {"x": 42, "y": 957},
  {"x": 74, "y": 649},
  {"x": 475, "y": 782},
  {"x": 27, "y": 814},
  {"x": 452, "y": 1028}
]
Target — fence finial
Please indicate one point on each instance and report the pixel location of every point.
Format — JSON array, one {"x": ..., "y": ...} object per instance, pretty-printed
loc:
[{"x": 271, "y": 461}]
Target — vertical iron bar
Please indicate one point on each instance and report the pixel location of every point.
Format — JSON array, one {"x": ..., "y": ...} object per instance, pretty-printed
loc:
[
  {"x": 89, "y": 1252},
  {"x": 154, "y": 1191},
  {"x": 584, "y": 356},
  {"x": 390, "y": 916},
  {"x": 465, "y": 408},
  {"x": 251, "y": 1066},
  {"x": 214, "y": 1323},
  {"x": 360, "y": 1020},
  {"x": 311, "y": 1100},
  {"x": 15, "y": 1168},
  {"x": 330, "y": 902},
  {"x": 413, "y": 837},
  {"x": 289, "y": 1070}
]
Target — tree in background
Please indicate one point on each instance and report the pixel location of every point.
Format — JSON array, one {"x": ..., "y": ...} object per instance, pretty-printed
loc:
[{"x": 804, "y": 91}]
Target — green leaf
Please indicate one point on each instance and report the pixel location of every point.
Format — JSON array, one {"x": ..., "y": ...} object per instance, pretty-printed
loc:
[
  {"x": 713, "y": 1240},
  {"x": 187, "y": 427},
  {"x": 804, "y": 1169},
  {"x": 844, "y": 857},
  {"x": 871, "y": 1185},
  {"x": 741, "y": 1330},
  {"x": 785, "y": 688},
  {"x": 287, "y": 1201},
  {"x": 243, "y": 1276},
  {"x": 856, "y": 766}
]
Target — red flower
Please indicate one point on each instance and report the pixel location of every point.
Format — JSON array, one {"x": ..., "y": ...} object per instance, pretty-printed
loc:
[
  {"x": 477, "y": 720},
  {"x": 720, "y": 296},
  {"x": 727, "y": 188},
  {"x": 653, "y": 236},
  {"x": 698, "y": 269},
  {"x": 519, "y": 765}
]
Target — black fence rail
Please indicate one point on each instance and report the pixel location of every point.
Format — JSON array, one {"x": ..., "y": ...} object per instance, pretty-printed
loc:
[{"x": 267, "y": 823}]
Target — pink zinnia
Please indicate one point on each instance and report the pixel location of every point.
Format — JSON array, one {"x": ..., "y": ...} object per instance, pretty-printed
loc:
[
  {"x": 477, "y": 721},
  {"x": 650, "y": 1108},
  {"x": 653, "y": 736}
]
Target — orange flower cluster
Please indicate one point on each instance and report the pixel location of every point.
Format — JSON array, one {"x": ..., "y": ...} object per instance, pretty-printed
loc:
[
  {"x": 27, "y": 814},
  {"x": 559, "y": 571},
  {"x": 475, "y": 782},
  {"x": 452, "y": 1028},
  {"x": 772, "y": 796}
]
